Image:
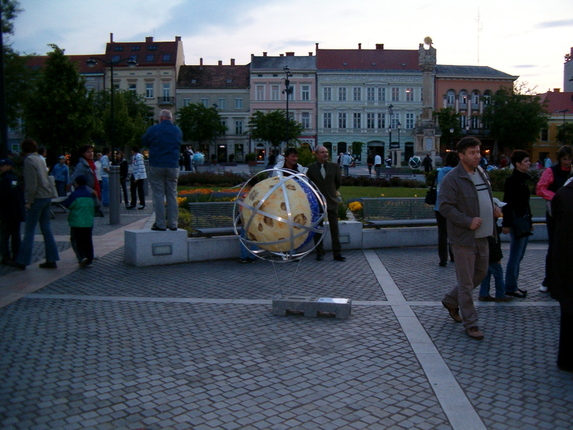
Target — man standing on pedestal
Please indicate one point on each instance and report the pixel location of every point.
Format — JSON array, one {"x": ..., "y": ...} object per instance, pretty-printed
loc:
[
  {"x": 164, "y": 142},
  {"x": 467, "y": 204},
  {"x": 326, "y": 176}
]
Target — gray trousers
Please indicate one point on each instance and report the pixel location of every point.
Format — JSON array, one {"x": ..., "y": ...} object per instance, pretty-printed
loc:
[{"x": 163, "y": 183}]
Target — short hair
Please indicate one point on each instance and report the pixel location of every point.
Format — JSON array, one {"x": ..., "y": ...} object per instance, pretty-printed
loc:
[
  {"x": 81, "y": 180},
  {"x": 564, "y": 151},
  {"x": 165, "y": 113},
  {"x": 452, "y": 159},
  {"x": 290, "y": 151},
  {"x": 467, "y": 142},
  {"x": 83, "y": 149},
  {"x": 135, "y": 148},
  {"x": 29, "y": 145},
  {"x": 518, "y": 156}
]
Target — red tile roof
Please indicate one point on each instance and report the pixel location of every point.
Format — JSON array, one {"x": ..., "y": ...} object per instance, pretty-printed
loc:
[
  {"x": 216, "y": 77},
  {"x": 147, "y": 54},
  {"x": 558, "y": 101},
  {"x": 367, "y": 59}
]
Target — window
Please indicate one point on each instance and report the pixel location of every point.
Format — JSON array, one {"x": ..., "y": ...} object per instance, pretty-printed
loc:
[
  {"x": 238, "y": 103},
  {"x": 327, "y": 120},
  {"x": 305, "y": 92},
  {"x": 115, "y": 59},
  {"x": 224, "y": 124},
  {"x": 239, "y": 125},
  {"x": 327, "y": 94},
  {"x": 357, "y": 94},
  {"x": 291, "y": 92},
  {"x": 370, "y": 120},
  {"x": 450, "y": 97},
  {"x": 149, "y": 90},
  {"x": 166, "y": 57},
  {"x": 275, "y": 92},
  {"x": 133, "y": 88},
  {"x": 409, "y": 120},
  {"x": 394, "y": 120},
  {"x": 370, "y": 94},
  {"x": 149, "y": 58},
  {"x": 409, "y": 94},
  {"x": 341, "y": 120},
  {"x": 305, "y": 120},
  {"x": 152, "y": 47},
  {"x": 117, "y": 48},
  {"x": 382, "y": 94},
  {"x": 475, "y": 121},
  {"x": 342, "y": 94},
  {"x": 463, "y": 98},
  {"x": 463, "y": 121},
  {"x": 357, "y": 120},
  {"x": 166, "y": 90},
  {"x": 260, "y": 92},
  {"x": 381, "y": 121},
  {"x": 544, "y": 135},
  {"x": 222, "y": 103},
  {"x": 186, "y": 101},
  {"x": 133, "y": 57},
  {"x": 136, "y": 48},
  {"x": 205, "y": 102},
  {"x": 475, "y": 98},
  {"x": 395, "y": 94}
]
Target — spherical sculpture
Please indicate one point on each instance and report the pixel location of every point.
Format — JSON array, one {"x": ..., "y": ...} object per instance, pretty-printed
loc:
[
  {"x": 415, "y": 162},
  {"x": 198, "y": 159},
  {"x": 280, "y": 215}
]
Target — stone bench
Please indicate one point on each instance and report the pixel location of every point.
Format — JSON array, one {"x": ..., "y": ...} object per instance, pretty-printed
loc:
[{"x": 212, "y": 218}]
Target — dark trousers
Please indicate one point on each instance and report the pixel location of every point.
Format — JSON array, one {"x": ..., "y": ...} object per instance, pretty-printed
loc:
[
  {"x": 137, "y": 190},
  {"x": 443, "y": 248},
  {"x": 550, "y": 222},
  {"x": 332, "y": 215},
  {"x": 10, "y": 240},
  {"x": 123, "y": 182},
  {"x": 82, "y": 244},
  {"x": 565, "y": 355}
]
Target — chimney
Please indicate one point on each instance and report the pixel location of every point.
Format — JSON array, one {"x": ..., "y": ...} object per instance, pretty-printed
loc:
[
  {"x": 379, "y": 46},
  {"x": 264, "y": 54},
  {"x": 360, "y": 46},
  {"x": 310, "y": 54},
  {"x": 111, "y": 38},
  {"x": 290, "y": 54},
  {"x": 149, "y": 39},
  {"x": 232, "y": 61},
  {"x": 178, "y": 38},
  {"x": 556, "y": 90},
  {"x": 201, "y": 61},
  {"x": 220, "y": 62}
]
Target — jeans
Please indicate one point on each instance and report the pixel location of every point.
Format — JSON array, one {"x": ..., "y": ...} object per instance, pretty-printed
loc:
[
  {"x": 346, "y": 171},
  {"x": 516, "y": 252},
  {"x": 61, "y": 187},
  {"x": 105, "y": 191},
  {"x": 163, "y": 182},
  {"x": 377, "y": 169},
  {"x": 495, "y": 270},
  {"x": 38, "y": 213}
]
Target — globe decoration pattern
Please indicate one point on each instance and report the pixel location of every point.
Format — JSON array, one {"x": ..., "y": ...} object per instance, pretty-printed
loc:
[
  {"x": 414, "y": 162},
  {"x": 278, "y": 217},
  {"x": 198, "y": 158}
]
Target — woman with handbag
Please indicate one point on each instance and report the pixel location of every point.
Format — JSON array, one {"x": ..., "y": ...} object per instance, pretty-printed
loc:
[
  {"x": 516, "y": 219},
  {"x": 452, "y": 159}
]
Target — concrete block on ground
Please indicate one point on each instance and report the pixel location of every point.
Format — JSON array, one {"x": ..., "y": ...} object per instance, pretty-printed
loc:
[
  {"x": 350, "y": 233},
  {"x": 312, "y": 306},
  {"x": 153, "y": 248}
]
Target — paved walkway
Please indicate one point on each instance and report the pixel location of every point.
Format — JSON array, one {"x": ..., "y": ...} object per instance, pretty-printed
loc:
[{"x": 195, "y": 346}]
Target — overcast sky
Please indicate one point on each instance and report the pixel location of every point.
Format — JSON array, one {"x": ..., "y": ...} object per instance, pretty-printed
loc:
[{"x": 528, "y": 39}]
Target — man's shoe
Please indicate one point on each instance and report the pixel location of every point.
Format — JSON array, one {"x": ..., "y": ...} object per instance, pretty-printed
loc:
[
  {"x": 319, "y": 257},
  {"x": 520, "y": 294},
  {"x": 339, "y": 258},
  {"x": 48, "y": 265},
  {"x": 474, "y": 333},
  {"x": 155, "y": 228},
  {"x": 130, "y": 207},
  {"x": 504, "y": 299},
  {"x": 486, "y": 299},
  {"x": 454, "y": 313},
  {"x": 141, "y": 207},
  {"x": 543, "y": 289},
  {"x": 18, "y": 266},
  {"x": 173, "y": 228},
  {"x": 442, "y": 263}
]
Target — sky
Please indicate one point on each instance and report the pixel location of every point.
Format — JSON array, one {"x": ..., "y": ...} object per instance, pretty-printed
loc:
[{"x": 527, "y": 39}]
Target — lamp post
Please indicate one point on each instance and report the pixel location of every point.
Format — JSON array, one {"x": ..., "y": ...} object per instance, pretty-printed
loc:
[
  {"x": 92, "y": 62},
  {"x": 451, "y": 137},
  {"x": 287, "y": 91}
]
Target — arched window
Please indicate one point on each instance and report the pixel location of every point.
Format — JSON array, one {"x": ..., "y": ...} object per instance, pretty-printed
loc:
[
  {"x": 450, "y": 98},
  {"x": 463, "y": 99}
]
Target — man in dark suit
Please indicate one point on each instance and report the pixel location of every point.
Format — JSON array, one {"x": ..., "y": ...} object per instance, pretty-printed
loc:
[{"x": 326, "y": 176}]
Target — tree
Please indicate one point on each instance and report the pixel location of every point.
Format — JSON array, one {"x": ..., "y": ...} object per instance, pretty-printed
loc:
[
  {"x": 449, "y": 119},
  {"x": 273, "y": 127},
  {"x": 565, "y": 133},
  {"x": 515, "y": 119},
  {"x": 199, "y": 123},
  {"x": 60, "y": 116}
]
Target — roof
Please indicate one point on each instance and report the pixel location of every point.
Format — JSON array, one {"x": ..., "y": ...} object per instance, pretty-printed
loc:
[
  {"x": 293, "y": 62},
  {"x": 214, "y": 77},
  {"x": 449, "y": 71},
  {"x": 37, "y": 61},
  {"x": 558, "y": 101},
  {"x": 367, "y": 59},
  {"x": 147, "y": 54}
]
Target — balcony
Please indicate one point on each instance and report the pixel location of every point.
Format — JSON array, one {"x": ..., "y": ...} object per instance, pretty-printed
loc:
[{"x": 165, "y": 101}]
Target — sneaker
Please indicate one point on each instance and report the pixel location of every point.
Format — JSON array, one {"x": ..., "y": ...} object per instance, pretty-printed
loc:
[
  {"x": 474, "y": 333},
  {"x": 543, "y": 289},
  {"x": 48, "y": 265}
]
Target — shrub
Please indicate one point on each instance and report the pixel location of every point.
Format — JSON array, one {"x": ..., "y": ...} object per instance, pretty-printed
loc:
[{"x": 211, "y": 179}]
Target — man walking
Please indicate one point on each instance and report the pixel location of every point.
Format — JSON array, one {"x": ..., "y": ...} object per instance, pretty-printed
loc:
[
  {"x": 326, "y": 176},
  {"x": 466, "y": 202},
  {"x": 164, "y": 142}
]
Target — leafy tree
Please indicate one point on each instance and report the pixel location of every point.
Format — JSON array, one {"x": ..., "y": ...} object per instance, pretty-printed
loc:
[
  {"x": 515, "y": 119},
  {"x": 273, "y": 127},
  {"x": 130, "y": 118},
  {"x": 449, "y": 119},
  {"x": 60, "y": 116},
  {"x": 199, "y": 123},
  {"x": 565, "y": 133}
]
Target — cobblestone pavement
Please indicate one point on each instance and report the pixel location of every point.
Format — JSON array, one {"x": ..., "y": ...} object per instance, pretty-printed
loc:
[{"x": 195, "y": 346}]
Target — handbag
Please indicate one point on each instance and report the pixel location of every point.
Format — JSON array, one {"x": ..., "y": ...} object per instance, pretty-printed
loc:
[
  {"x": 522, "y": 226},
  {"x": 432, "y": 194}
]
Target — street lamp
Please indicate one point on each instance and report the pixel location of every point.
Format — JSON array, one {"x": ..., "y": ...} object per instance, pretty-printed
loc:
[
  {"x": 287, "y": 91},
  {"x": 92, "y": 62},
  {"x": 451, "y": 137}
]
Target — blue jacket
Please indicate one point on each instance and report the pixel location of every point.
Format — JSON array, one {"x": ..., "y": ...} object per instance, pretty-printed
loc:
[{"x": 164, "y": 142}]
